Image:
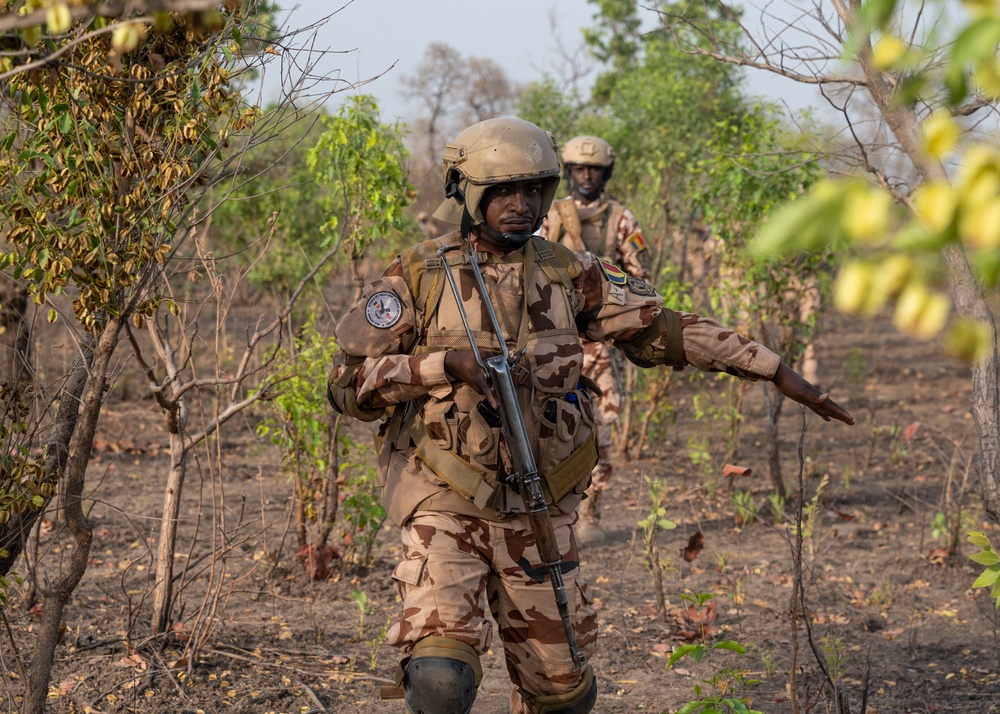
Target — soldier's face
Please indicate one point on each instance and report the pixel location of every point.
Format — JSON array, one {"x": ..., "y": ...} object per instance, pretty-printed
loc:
[
  {"x": 587, "y": 180},
  {"x": 513, "y": 207}
]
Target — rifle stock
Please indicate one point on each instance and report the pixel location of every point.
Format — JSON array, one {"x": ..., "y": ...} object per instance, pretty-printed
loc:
[{"x": 525, "y": 476}]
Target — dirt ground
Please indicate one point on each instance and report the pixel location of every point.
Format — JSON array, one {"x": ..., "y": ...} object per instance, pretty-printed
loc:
[{"x": 883, "y": 595}]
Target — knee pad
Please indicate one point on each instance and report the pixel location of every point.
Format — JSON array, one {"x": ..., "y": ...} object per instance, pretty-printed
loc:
[
  {"x": 578, "y": 701},
  {"x": 442, "y": 677}
]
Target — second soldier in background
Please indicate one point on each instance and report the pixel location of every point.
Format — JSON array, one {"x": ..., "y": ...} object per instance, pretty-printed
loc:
[{"x": 591, "y": 221}]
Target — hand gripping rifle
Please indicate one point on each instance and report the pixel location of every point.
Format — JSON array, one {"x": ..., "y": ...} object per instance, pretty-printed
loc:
[{"x": 524, "y": 479}]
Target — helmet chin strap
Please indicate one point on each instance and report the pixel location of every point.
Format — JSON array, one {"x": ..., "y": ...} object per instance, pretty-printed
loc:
[{"x": 510, "y": 241}]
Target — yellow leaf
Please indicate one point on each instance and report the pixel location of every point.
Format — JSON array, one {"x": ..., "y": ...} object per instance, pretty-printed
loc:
[
  {"x": 888, "y": 51},
  {"x": 935, "y": 204},
  {"x": 940, "y": 133}
]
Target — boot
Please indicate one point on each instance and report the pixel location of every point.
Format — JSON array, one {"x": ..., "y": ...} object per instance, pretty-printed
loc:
[{"x": 588, "y": 527}]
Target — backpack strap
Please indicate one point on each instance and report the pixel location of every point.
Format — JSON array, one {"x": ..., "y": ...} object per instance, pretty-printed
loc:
[
  {"x": 614, "y": 215},
  {"x": 572, "y": 228}
]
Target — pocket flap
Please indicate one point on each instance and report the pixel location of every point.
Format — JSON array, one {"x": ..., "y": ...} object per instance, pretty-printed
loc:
[{"x": 409, "y": 571}]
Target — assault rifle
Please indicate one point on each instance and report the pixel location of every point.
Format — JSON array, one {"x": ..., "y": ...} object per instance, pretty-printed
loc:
[{"x": 524, "y": 479}]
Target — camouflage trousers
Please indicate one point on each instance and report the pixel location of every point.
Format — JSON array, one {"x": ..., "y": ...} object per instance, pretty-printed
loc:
[
  {"x": 598, "y": 366},
  {"x": 455, "y": 569}
]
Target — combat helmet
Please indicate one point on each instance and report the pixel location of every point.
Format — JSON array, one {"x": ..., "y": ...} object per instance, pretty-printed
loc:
[
  {"x": 589, "y": 151},
  {"x": 491, "y": 152}
]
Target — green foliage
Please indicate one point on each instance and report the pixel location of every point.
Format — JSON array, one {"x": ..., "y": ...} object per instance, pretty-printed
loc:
[
  {"x": 98, "y": 162},
  {"x": 361, "y": 160},
  {"x": 989, "y": 578},
  {"x": 361, "y": 600},
  {"x": 656, "y": 519},
  {"x": 273, "y": 202},
  {"x": 777, "y": 503},
  {"x": 942, "y": 71},
  {"x": 725, "y": 690},
  {"x": 300, "y": 425},
  {"x": 363, "y": 513},
  {"x": 5, "y": 581},
  {"x": 23, "y": 486},
  {"x": 744, "y": 507}
]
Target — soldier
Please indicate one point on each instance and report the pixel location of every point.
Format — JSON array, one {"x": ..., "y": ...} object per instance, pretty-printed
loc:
[
  {"x": 590, "y": 221},
  {"x": 468, "y": 550}
]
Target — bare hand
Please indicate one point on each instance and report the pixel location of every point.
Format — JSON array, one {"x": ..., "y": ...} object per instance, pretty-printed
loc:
[
  {"x": 792, "y": 385},
  {"x": 462, "y": 365}
]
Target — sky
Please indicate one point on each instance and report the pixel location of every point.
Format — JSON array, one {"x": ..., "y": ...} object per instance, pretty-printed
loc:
[{"x": 366, "y": 38}]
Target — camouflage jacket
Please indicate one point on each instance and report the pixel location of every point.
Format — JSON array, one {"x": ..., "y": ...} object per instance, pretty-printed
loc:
[
  {"x": 393, "y": 342},
  {"x": 603, "y": 227}
]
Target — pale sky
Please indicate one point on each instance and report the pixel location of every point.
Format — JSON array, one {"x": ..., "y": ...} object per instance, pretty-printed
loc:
[{"x": 371, "y": 37}]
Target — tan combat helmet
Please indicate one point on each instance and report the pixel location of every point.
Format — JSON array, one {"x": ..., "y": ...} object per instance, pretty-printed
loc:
[
  {"x": 589, "y": 151},
  {"x": 491, "y": 152}
]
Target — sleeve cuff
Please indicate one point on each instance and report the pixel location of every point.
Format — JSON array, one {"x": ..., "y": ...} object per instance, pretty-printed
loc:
[{"x": 434, "y": 377}]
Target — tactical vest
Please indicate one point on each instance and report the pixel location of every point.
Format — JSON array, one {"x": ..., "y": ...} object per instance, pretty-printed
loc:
[
  {"x": 450, "y": 435},
  {"x": 593, "y": 229}
]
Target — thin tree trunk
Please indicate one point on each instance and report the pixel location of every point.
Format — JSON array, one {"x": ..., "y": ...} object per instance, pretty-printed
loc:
[
  {"x": 163, "y": 590},
  {"x": 985, "y": 399},
  {"x": 774, "y": 402},
  {"x": 58, "y": 594}
]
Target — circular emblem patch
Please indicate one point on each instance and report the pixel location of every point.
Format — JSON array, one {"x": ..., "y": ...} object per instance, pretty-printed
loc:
[
  {"x": 640, "y": 287},
  {"x": 383, "y": 310}
]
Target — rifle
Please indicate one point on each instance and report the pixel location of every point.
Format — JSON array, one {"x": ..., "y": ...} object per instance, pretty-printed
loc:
[{"x": 524, "y": 479}]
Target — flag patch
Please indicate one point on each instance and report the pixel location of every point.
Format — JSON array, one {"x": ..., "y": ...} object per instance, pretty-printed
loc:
[
  {"x": 636, "y": 241},
  {"x": 613, "y": 273}
]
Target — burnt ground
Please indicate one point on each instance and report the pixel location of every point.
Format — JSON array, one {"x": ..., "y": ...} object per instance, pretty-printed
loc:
[{"x": 890, "y": 611}]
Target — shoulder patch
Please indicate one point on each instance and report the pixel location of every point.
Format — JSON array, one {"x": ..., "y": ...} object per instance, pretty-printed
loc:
[
  {"x": 640, "y": 287},
  {"x": 636, "y": 241},
  {"x": 613, "y": 273},
  {"x": 383, "y": 310}
]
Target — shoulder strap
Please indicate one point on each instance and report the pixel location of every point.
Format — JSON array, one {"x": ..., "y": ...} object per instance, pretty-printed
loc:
[
  {"x": 572, "y": 229},
  {"x": 615, "y": 213},
  {"x": 559, "y": 266}
]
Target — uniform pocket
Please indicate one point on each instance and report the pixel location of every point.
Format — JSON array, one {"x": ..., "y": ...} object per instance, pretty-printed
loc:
[
  {"x": 482, "y": 441},
  {"x": 441, "y": 423},
  {"x": 408, "y": 573}
]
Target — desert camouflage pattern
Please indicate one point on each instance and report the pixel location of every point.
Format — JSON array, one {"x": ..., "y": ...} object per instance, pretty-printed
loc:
[
  {"x": 598, "y": 366},
  {"x": 458, "y": 555},
  {"x": 456, "y": 569},
  {"x": 625, "y": 247},
  {"x": 405, "y": 362}
]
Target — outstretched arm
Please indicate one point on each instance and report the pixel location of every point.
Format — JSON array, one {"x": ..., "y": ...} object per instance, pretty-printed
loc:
[{"x": 792, "y": 385}]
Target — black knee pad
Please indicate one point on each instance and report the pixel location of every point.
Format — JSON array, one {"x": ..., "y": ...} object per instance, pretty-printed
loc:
[
  {"x": 442, "y": 677},
  {"x": 579, "y": 701},
  {"x": 438, "y": 685}
]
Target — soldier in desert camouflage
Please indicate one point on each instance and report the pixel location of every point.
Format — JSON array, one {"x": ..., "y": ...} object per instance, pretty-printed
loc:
[
  {"x": 469, "y": 556},
  {"x": 591, "y": 221}
]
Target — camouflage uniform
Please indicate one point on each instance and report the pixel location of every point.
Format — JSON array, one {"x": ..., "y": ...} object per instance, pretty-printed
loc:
[
  {"x": 607, "y": 229},
  {"x": 467, "y": 545}
]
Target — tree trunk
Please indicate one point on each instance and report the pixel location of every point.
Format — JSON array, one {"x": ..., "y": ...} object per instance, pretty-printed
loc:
[
  {"x": 985, "y": 399},
  {"x": 58, "y": 594},
  {"x": 774, "y": 402},
  {"x": 163, "y": 589}
]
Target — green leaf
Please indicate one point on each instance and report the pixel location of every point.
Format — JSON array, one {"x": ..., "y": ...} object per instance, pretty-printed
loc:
[
  {"x": 979, "y": 39},
  {"x": 986, "y": 557},
  {"x": 978, "y": 538},
  {"x": 730, "y": 645},
  {"x": 685, "y": 650}
]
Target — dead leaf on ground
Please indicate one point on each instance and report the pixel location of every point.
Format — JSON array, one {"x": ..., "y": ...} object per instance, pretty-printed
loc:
[
  {"x": 939, "y": 555},
  {"x": 317, "y": 560},
  {"x": 730, "y": 470},
  {"x": 911, "y": 430},
  {"x": 694, "y": 546}
]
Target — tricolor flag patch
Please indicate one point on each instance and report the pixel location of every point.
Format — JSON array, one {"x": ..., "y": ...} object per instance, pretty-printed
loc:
[
  {"x": 636, "y": 241},
  {"x": 613, "y": 273}
]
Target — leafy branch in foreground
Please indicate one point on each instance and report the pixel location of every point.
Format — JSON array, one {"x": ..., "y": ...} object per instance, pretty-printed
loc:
[{"x": 989, "y": 578}]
